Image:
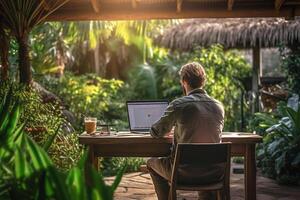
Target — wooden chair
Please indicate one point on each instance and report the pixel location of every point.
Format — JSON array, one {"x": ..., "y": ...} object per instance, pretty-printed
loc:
[{"x": 202, "y": 155}]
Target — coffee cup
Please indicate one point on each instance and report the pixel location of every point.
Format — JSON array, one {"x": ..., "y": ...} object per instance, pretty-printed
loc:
[{"x": 90, "y": 124}]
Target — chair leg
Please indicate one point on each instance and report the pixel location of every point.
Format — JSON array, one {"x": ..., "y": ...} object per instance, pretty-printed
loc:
[
  {"x": 227, "y": 194},
  {"x": 219, "y": 194},
  {"x": 172, "y": 194}
]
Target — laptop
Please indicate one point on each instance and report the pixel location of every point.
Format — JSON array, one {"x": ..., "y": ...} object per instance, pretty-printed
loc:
[{"x": 142, "y": 114}]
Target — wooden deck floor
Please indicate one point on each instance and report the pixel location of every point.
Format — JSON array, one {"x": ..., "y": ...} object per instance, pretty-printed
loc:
[{"x": 139, "y": 186}]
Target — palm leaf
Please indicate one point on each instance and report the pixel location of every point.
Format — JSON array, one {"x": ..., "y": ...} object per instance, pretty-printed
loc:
[
  {"x": 40, "y": 159},
  {"x": 5, "y": 110},
  {"x": 51, "y": 139},
  {"x": 22, "y": 167},
  {"x": 295, "y": 120},
  {"x": 118, "y": 178}
]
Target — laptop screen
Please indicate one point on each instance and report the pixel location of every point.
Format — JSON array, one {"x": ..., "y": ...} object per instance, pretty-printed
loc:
[{"x": 142, "y": 114}]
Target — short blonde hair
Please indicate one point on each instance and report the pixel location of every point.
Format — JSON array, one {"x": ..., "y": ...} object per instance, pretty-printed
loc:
[{"x": 194, "y": 74}]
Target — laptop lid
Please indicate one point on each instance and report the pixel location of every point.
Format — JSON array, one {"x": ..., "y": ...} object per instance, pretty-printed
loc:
[{"x": 142, "y": 114}]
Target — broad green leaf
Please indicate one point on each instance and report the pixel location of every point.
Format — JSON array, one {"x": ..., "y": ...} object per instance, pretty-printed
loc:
[
  {"x": 118, "y": 178},
  {"x": 294, "y": 116},
  {"x": 5, "y": 106},
  {"x": 60, "y": 188},
  {"x": 81, "y": 163},
  {"x": 76, "y": 181},
  {"x": 19, "y": 164},
  {"x": 98, "y": 183},
  {"x": 17, "y": 134},
  {"x": 49, "y": 187},
  {"x": 13, "y": 120},
  {"x": 280, "y": 163},
  {"x": 296, "y": 161},
  {"x": 50, "y": 139},
  {"x": 96, "y": 195},
  {"x": 275, "y": 145},
  {"x": 39, "y": 157}
]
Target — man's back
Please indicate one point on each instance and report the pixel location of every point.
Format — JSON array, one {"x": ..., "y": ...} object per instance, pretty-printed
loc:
[{"x": 199, "y": 118}]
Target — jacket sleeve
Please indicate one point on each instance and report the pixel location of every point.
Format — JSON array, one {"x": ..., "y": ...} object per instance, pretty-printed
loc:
[{"x": 165, "y": 123}]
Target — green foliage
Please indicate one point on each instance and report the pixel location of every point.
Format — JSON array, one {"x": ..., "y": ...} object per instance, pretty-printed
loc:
[
  {"x": 222, "y": 68},
  {"x": 44, "y": 122},
  {"x": 260, "y": 122},
  {"x": 90, "y": 95},
  {"x": 142, "y": 83},
  {"x": 27, "y": 172},
  {"x": 110, "y": 166},
  {"x": 279, "y": 155},
  {"x": 291, "y": 64}
]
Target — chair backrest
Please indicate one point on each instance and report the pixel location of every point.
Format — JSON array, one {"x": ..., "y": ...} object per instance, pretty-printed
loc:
[{"x": 202, "y": 155}]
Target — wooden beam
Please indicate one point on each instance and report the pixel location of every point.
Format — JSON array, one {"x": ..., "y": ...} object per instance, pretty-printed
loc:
[
  {"x": 134, "y": 3},
  {"x": 230, "y": 4},
  {"x": 95, "y": 5},
  {"x": 167, "y": 13},
  {"x": 278, "y": 4},
  {"x": 179, "y": 5}
]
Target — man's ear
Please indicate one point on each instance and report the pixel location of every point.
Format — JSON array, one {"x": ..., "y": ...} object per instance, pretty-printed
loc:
[{"x": 184, "y": 83}]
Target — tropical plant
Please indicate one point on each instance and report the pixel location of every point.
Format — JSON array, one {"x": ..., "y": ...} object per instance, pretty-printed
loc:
[
  {"x": 19, "y": 17},
  {"x": 279, "y": 155},
  {"x": 27, "y": 172},
  {"x": 48, "y": 121},
  {"x": 142, "y": 81},
  {"x": 261, "y": 121}
]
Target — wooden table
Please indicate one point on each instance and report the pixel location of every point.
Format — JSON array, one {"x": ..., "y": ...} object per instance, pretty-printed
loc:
[{"x": 125, "y": 144}]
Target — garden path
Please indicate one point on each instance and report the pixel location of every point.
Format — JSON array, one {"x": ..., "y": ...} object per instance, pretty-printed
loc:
[{"x": 138, "y": 186}]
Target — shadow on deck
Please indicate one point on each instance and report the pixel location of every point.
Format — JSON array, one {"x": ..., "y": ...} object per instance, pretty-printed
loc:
[{"x": 139, "y": 186}]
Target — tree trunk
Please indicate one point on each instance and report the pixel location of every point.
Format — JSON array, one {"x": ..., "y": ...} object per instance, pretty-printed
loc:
[
  {"x": 24, "y": 61},
  {"x": 60, "y": 56},
  {"x": 4, "y": 48},
  {"x": 97, "y": 58}
]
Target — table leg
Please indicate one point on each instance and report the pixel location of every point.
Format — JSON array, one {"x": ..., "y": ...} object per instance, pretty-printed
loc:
[
  {"x": 250, "y": 173},
  {"x": 92, "y": 158}
]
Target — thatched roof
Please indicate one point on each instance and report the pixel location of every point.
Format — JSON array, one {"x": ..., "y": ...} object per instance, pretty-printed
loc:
[{"x": 232, "y": 33}]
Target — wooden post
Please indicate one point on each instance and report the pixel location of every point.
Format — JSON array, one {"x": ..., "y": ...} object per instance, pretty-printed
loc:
[{"x": 256, "y": 74}]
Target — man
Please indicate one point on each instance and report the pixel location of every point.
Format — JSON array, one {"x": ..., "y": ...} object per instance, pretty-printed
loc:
[{"x": 197, "y": 118}]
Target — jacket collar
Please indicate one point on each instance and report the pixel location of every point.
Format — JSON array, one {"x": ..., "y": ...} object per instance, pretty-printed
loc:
[{"x": 197, "y": 90}]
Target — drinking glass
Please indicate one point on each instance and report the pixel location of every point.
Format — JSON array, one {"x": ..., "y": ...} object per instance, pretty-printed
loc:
[{"x": 90, "y": 124}]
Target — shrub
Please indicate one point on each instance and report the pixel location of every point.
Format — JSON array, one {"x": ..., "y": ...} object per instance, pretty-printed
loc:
[
  {"x": 44, "y": 121},
  {"x": 90, "y": 95},
  {"x": 279, "y": 155}
]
